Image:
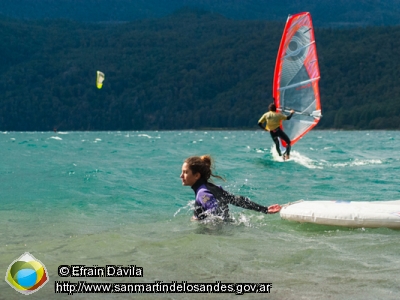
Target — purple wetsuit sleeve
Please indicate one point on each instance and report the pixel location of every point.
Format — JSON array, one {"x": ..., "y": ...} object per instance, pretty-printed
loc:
[{"x": 205, "y": 199}]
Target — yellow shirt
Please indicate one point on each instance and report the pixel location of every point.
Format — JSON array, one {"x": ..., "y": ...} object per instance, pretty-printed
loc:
[{"x": 273, "y": 120}]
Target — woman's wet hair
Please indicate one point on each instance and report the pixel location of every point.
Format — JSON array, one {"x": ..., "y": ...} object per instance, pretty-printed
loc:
[{"x": 203, "y": 165}]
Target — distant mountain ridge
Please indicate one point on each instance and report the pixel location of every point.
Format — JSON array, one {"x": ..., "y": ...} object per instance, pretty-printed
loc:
[
  {"x": 326, "y": 13},
  {"x": 191, "y": 70}
]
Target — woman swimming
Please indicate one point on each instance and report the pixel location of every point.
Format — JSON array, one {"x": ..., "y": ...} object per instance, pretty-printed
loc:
[{"x": 212, "y": 199}]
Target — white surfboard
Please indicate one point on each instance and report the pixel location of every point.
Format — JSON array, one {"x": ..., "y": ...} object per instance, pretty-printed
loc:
[{"x": 354, "y": 214}]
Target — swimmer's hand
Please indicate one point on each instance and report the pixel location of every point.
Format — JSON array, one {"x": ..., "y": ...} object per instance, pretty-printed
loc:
[
  {"x": 273, "y": 209},
  {"x": 194, "y": 218}
]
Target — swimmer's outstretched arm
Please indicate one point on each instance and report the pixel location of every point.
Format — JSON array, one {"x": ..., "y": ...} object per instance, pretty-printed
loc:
[{"x": 245, "y": 202}]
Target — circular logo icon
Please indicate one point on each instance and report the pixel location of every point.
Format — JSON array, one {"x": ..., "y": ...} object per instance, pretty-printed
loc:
[{"x": 26, "y": 274}]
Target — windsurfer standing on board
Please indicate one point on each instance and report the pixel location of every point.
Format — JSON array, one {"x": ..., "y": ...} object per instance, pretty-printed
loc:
[{"x": 273, "y": 122}]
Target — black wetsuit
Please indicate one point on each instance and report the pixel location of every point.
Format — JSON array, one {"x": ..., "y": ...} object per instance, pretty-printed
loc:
[
  {"x": 212, "y": 199},
  {"x": 278, "y": 133}
]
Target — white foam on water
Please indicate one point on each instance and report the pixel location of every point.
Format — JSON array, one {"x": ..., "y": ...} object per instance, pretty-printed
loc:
[
  {"x": 56, "y": 138},
  {"x": 358, "y": 162},
  {"x": 296, "y": 157}
]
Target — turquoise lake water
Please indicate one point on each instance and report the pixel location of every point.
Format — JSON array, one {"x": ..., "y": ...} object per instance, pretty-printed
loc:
[{"x": 102, "y": 198}]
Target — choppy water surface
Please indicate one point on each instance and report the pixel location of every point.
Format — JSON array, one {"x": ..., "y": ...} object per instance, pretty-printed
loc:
[{"x": 98, "y": 198}]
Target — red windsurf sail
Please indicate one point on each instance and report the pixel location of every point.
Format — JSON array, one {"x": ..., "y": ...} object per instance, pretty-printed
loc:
[{"x": 296, "y": 77}]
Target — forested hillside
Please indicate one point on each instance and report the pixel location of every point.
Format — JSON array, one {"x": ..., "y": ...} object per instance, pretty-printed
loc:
[
  {"x": 192, "y": 69},
  {"x": 326, "y": 13}
]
